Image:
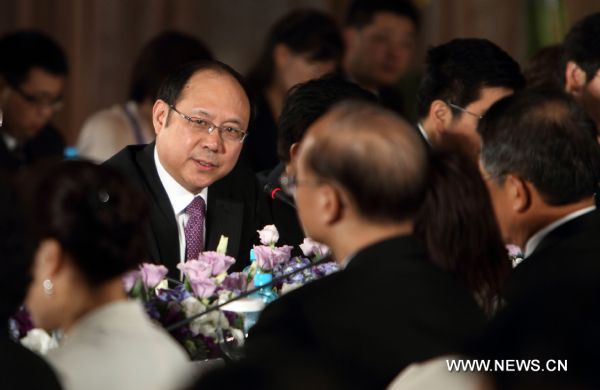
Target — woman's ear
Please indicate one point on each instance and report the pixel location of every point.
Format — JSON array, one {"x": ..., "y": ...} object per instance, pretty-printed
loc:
[{"x": 48, "y": 258}]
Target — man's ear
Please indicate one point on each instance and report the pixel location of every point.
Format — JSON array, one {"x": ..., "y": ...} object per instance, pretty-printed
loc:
[
  {"x": 281, "y": 55},
  {"x": 349, "y": 36},
  {"x": 519, "y": 193},
  {"x": 575, "y": 78},
  {"x": 160, "y": 115},
  {"x": 330, "y": 203},
  {"x": 439, "y": 119}
]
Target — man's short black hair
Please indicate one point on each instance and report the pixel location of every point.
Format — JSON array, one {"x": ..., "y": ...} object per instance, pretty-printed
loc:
[
  {"x": 306, "y": 102},
  {"x": 582, "y": 45},
  {"x": 545, "y": 137},
  {"x": 361, "y": 12},
  {"x": 456, "y": 72},
  {"x": 28, "y": 49}
]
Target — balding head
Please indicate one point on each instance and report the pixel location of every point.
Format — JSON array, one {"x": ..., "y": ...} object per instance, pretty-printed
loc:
[{"x": 373, "y": 155}]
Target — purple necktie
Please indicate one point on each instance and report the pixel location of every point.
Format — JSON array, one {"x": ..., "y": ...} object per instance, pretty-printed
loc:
[{"x": 194, "y": 228}]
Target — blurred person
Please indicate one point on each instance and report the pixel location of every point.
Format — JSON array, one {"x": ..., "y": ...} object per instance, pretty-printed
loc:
[
  {"x": 190, "y": 176},
  {"x": 33, "y": 69},
  {"x": 85, "y": 223},
  {"x": 581, "y": 60},
  {"x": 303, "y": 45},
  {"x": 380, "y": 44},
  {"x": 305, "y": 103},
  {"x": 362, "y": 175},
  {"x": 462, "y": 79},
  {"x": 544, "y": 68},
  {"x": 110, "y": 130},
  {"x": 541, "y": 164},
  {"x": 19, "y": 367}
]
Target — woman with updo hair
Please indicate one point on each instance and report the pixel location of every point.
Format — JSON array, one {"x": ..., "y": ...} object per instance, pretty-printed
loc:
[{"x": 86, "y": 226}]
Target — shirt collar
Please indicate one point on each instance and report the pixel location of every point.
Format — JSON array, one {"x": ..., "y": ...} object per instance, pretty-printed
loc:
[
  {"x": 10, "y": 141},
  {"x": 423, "y": 132},
  {"x": 179, "y": 197},
  {"x": 535, "y": 240}
]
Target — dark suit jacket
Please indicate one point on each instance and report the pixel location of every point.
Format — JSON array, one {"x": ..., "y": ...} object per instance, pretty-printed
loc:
[
  {"x": 48, "y": 144},
  {"x": 236, "y": 208},
  {"x": 388, "y": 308},
  {"x": 22, "y": 369},
  {"x": 571, "y": 252}
]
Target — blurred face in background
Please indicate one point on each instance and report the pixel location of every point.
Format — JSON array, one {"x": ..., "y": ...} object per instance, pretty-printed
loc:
[
  {"x": 380, "y": 53},
  {"x": 29, "y": 107},
  {"x": 295, "y": 68}
]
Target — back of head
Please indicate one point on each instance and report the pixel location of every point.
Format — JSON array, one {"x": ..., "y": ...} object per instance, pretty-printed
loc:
[
  {"x": 15, "y": 275},
  {"x": 582, "y": 46},
  {"x": 375, "y": 156},
  {"x": 92, "y": 211},
  {"x": 545, "y": 68},
  {"x": 159, "y": 57},
  {"x": 311, "y": 33},
  {"x": 306, "y": 102},
  {"x": 28, "y": 49},
  {"x": 457, "y": 71},
  {"x": 544, "y": 137},
  {"x": 361, "y": 12}
]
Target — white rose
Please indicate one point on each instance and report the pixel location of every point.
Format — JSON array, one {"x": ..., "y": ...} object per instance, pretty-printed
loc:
[
  {"x": 38, "y": 340},
  {"x": 268, "y": 235}
]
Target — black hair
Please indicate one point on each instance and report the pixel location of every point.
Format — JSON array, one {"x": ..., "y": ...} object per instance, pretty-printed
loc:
[
  {"x": 545, "y": 68},
  {"x": 92, "y": 211},
  {"x": 582, "y": 46},
  {"x": 306, "y": 102},
  {"x": 27, "y": 49},
  {"x": 304, "y": 31},
  {"x": 456, "y": 72},
  {"x": 361, "y": 12},
  {"x": 545, "y": 137},
  {"x": 459, "y": 228},
  {"x": 159, "y": 57}
]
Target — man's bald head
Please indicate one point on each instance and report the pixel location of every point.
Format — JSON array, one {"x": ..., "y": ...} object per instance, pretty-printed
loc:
[{"x": 374, "y": 155}]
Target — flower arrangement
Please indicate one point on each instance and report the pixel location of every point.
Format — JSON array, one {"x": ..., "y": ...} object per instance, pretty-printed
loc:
[{"x": 207, "y": 284}]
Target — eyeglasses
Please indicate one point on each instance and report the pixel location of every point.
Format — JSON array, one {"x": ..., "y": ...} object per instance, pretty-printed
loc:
[
  {"x": 289, "y": 184},
  {"x": 227, "y": 133},
  {"x": 39, "y": 101},
  {"x": 459, "y": 108}
]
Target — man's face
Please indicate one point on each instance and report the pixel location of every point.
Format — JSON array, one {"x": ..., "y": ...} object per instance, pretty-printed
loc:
[
  {"x": 590, "y": 99},
  {"x": 462, "y": 132},
  {"x": 306, "y": 195},
  {"x": 30, "y": 106},
  {"x": 381, "y": 52},
  {"x": 299, "y": 69},
  {"x": 193, "y": 158}
]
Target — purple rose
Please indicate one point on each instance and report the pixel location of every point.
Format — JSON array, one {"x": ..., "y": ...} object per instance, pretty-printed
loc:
[
  {"x": 217, "y": 262},
  {"x": 313, "y": 248},
  {"x": 152, "y": 274},
  {"x": 203, "y": 288},
  {"x": 129, "y": 279},
  {"x": 268, "y": 257},
  {"x": 237, "y": 281},
  {"x": 195, "y": 270}
]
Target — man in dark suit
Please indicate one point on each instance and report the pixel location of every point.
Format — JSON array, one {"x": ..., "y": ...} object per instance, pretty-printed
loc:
[
  {"x": 32, "y": 75},
  {"x": 190, "y": 174},
  {"x": 542, "y": 162},
  {"x": 361, "y": 175},
  {"x": 304, "y": 105}
]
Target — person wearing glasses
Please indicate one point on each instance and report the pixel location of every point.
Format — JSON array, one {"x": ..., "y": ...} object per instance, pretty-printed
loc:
[
  {"x": 462, "y": 79},
  {"x": 190, "y": 174},
  {"x": 33, "y": 69}
]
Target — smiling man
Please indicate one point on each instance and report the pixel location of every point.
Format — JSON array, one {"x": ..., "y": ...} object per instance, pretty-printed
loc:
[
  {"x": 33, "y": 69},
  {"x": 196, "y": 190}
]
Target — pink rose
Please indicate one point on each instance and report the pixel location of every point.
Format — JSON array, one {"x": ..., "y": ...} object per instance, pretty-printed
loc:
[
  {"x": 129, "y": 280},
  {"x": 203, "y": 288},
  {"x": 268, "y": 257},
  {"x": 152, "y": 274},
  {"x": 268, "y": 235},
  {"x": 217, "y": 262},
  {"x": 310, "y": 248},
  {"x": 195, "y": 270}
]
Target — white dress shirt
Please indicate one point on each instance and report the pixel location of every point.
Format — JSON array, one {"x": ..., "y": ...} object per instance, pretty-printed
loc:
[{"x": 180, "y": 198}]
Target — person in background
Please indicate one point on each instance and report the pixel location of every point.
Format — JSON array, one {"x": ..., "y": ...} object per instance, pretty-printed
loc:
[
  {"x": 85, "y": 224},
  {"x": 545, "y": 68},
  {"x": 33, "y": 69},
  {"x": 110, "y": 130},
  {"x": 303, "y": 45},
  {"x": 19, "y": 367},
  {"x": 380, "y": 44},
  {"x": 305, "y": 103},
  {"x": 462, "y": 79},
  {"x": 190, "y": 175},
  {"x": 541, "y": 164},
  {"x": 581, "y": 60}
]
